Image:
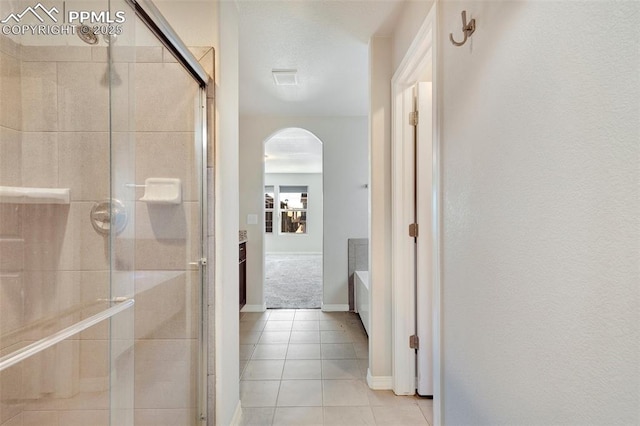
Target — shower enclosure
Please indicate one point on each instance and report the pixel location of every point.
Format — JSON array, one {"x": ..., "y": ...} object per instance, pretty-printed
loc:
[{"x": 102, "y": 207}]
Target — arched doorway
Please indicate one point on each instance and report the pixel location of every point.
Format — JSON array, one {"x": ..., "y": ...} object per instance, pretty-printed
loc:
[{"x": 293, "y": 212}]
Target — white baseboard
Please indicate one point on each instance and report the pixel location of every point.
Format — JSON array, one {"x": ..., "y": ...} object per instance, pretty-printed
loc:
[
  {"x": 237, "y": 416},
  {"x": 287, "y": 253},
  {"x": 254, "y": 308},
  {"x": 335, "y": 308},
  {"x": 379, "y": 382}
]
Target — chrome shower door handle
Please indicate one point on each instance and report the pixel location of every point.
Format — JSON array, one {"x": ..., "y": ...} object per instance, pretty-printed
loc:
[{"x": 201, "y": 262}]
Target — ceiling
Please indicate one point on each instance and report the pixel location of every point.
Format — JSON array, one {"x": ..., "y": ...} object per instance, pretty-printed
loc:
[
  {"x": 293, "y": 150},
  {"x": 325, "y": 41}
]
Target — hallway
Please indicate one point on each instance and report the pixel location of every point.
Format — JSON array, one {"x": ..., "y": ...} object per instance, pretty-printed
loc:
[{"x": 308, "y": 367}]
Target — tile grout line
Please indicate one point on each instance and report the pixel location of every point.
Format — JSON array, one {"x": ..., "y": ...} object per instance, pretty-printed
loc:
[{"x": 349, "y": 359}]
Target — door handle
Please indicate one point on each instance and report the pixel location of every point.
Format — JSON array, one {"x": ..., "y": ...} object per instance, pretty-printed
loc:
[{"x": 201, "y": 262}]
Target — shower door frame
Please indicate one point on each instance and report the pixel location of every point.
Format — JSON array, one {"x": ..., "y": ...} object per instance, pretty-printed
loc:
[{"x": 155, "y": 21}]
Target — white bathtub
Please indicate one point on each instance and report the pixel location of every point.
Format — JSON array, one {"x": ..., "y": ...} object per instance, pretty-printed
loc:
[{"x": 363, "y": 302}]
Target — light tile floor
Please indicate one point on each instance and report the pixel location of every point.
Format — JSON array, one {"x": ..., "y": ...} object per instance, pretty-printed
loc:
[{"x": 307, "y": 367}]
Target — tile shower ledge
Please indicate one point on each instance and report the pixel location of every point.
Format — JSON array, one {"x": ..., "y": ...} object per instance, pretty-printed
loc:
[{"x": 26, "y": 195}]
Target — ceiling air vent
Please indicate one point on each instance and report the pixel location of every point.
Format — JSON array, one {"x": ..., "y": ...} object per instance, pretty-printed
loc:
[{"x": 285, "y": 77}]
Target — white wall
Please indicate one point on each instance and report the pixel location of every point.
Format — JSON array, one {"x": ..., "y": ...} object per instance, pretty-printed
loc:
[
  {"x": 311, "y": 242},
  {"x": 251, "y": 202},
  {"x": 226, "y": 207},
  {"x": 192, "y": 20},
  {"x": 380, "y": 207},
  {"x": 540, "y": 144},
  {"x": 386, "y": 53},
  {"x": 345, "y": 174},
  {"x": 411, "y": 18}
]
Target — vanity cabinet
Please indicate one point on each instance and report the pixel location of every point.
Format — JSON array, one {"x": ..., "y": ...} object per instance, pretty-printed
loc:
[{"x": 243, "y": 273}]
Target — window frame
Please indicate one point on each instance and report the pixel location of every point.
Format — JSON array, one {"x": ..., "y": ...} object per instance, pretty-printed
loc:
[
  {"x": 305, "y": 210},
  {"x": 271, "y": 210}
]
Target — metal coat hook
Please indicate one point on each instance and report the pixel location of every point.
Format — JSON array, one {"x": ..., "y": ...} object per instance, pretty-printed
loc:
[{"x": 467, "y": 29}]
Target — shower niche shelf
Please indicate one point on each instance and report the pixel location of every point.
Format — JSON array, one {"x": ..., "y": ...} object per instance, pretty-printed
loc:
[
  {"x": 162, "y": 191},
  {"x": 26, "y": 195}
]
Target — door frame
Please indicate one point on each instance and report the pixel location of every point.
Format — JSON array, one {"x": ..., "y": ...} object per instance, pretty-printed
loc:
[
  {"x": 276, "y": 221},
  {"x": 420, "y": 57}
]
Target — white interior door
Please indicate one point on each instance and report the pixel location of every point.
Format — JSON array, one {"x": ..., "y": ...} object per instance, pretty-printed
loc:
[
  {"x": 424, "y": 249},
  {"x": 404, "y": 375},
  {"x": 413, "y": 257}
]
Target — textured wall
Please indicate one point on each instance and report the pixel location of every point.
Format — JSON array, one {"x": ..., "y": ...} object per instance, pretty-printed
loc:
[
  {"x": 380, "y": 71},
  {"x": 409, "y": 21},
  {"x": 541, "y": 238},
  {"x": 227, "y": 330}
]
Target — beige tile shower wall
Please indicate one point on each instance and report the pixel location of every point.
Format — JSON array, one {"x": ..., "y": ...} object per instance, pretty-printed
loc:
[
  {"x": 12, "y": 311},
  {"x": 165, "y": 98},
  {"x": 39, "y": 96},
  {"x": 11, "y": 105},
  {"x": 168, "y": 154},
  {"x": 10, "y": 154},
  {"x": 167, "y": 237},
  {"x": 10, "y": 113}
]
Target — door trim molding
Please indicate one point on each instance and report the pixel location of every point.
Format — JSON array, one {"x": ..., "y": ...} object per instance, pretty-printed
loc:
[
  {"x": 421, "y": 54},
  {"x": 254, "y": 308},
  {"x": 344, "y": 307}
]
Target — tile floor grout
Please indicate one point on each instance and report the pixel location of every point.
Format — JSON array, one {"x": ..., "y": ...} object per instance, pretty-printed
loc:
[{"x": 297, "y": 403}]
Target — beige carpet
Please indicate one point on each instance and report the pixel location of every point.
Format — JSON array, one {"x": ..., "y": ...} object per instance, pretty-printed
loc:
[{"x": 293, "y": 281}]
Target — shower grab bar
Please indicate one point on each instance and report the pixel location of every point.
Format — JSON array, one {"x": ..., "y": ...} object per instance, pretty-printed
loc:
[
  {"x": 42, "y": 344},
  {"x": 63, "y": 314}
]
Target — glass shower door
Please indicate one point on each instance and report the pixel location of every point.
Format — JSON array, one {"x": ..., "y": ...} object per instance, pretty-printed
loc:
[
  {"x": 57, "y": 282},
  {"x": 100, "y": 221},
  {"x": 157, "y": 154}
]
